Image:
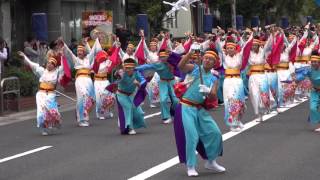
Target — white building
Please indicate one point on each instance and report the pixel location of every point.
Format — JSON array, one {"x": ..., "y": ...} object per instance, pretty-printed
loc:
[{"x": 179, "y": 23}]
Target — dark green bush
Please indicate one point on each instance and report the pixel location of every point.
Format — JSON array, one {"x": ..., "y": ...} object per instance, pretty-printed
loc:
[
  {"x": 28, "y": 81},
  {"x": 15, "y": 60}
]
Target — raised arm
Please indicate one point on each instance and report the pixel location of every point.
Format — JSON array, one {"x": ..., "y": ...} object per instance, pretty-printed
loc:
[
  {"x": 246, "y": 45},
  {"x": 145, "y": 48},
  {"x": 241, "y": 40},
  {"x": 169, "y": 45},
  {"x": 285, "y": 40},
  {"x": 290, "y": 46},
  {"x": 121, "y": 53},
  {"x": 315, "y": 41},
  {"x": 219, "y": 49},
  {"x": 36, "y": 68},
  {"x": 305, "y": 35},
  {"x": 69, "y": 55},
  {"x": 95, "y": 49},
  {"x": 268, "y": 46},
  {"x": 87, "y": 46},
  {"x": 205, "y": 45},
  {"x": 184, "y": 64},
  {"x": 245, "y": 52}
]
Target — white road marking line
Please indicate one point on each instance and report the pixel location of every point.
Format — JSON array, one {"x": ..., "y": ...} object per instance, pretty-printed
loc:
[
  {"x": 24, "y": 153},
  {"x": 152, "y": 115},
  {"x": 46, "y": 147},
  {"x": 175, "y": 160}
]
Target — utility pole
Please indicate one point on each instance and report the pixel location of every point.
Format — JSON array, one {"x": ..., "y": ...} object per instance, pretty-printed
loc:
[{"x": 233, "y": 13}]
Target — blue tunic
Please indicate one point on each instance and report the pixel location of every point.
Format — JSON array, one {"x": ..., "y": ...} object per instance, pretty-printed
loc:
[
  {"x": 198, "y": 126},
  {"x": 130, "y": 116},
  {"x": 126, "y": 83},
  {"x": 314, "y": 76},
  {"x": 192, "y": 93},
  {"x": 165, "y": 86}
]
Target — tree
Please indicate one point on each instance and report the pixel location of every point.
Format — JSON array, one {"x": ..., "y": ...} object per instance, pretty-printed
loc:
[
  {"x": 295, "y": 10},
  {"x": 153, "y": 8}
]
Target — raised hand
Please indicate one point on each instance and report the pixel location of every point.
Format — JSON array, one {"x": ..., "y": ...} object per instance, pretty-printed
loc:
[
  {"x": 85, "y": 40},
  {"x": 141, "y": 33},
  {"x": 38, "y": 43},
  {"x": 20, "y": 53},
  {"x": 307, "y": 26},
  {"x": 161, "y": 34}
]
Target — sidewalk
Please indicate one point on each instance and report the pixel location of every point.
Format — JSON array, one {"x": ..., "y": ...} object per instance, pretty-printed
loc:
[{"x": 28, "y": 110}]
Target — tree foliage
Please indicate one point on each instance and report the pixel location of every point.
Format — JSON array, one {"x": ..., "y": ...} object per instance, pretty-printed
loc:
[
  {"x": 153, "y": 8},
  {"x": 295, "y": 10}
]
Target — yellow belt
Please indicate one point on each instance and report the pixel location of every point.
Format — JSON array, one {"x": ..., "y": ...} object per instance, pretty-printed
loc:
[
  {"x": 100, "y": 76},
  {"x": 232, "y": 76},
  {"x": 284, "y": 65},
  {"x": 48, "y": 87},
  {"x": 303, "y": 59},
  {"x": 83, "y": 73},
  {"x": 256, "y": 69},
  {"x": 270, "y": 70},
  {"x": 232, "y": 73}
]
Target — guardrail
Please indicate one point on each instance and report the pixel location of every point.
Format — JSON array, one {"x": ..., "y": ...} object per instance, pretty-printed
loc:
[{"x": 9, "y": 85}]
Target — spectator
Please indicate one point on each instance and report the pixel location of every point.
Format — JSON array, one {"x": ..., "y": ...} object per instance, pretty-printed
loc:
[
  {"x": 43, "y": 49},
  {"x": 6, "y": 61},
  {"x": 55, "y": 50},
  {"x": 3, "y": 54},
  {"x": 31, "y": 49},
  {"x": 73, "y": 46}
]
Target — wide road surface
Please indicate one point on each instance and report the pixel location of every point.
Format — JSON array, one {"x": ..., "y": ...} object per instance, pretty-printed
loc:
[{"x": 283, "y": 147}]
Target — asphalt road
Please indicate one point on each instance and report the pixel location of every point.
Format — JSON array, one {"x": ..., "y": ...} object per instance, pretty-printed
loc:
[{"x": 283, "y": 147}]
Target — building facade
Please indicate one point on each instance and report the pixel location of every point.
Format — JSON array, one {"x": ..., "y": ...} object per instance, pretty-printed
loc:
[{"x": 63, "y": 17}]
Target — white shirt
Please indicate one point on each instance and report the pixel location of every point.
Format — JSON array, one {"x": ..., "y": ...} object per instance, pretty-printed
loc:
[
  {"x": 43, "y": 74},
  {"x": 3, "y": 57},
  {"x": 257, "y": 58}
]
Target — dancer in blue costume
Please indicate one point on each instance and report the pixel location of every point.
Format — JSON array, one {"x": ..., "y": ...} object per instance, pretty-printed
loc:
[
  {"x": 165, "y": 71},
  {"x": 194, "y": 127},
  {"x": 314, "y": 75},
  {"x": 130, "y": 114}
]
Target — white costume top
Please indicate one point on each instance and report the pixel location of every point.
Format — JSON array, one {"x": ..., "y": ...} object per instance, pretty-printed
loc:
[
  {"x": 87, "y": 61},
  {"x": 104, "y": 66},
  {"x": 43, "y": 74},
  {"x": 234, "y": 62},
  {"x": 257, "y": 58}
]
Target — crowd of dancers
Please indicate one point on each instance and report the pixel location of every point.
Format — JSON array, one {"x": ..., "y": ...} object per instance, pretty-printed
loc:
[{"x": 272, "y": 66}]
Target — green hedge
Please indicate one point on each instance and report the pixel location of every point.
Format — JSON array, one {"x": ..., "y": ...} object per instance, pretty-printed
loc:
[{"x": 28, "y": 81}]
